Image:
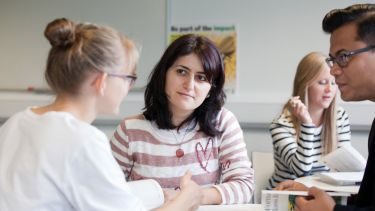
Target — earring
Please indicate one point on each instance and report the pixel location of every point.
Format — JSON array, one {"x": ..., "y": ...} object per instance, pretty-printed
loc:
[{"x": 208, "y": 95}]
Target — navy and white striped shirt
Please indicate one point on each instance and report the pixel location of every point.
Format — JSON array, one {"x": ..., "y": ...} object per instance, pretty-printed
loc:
[{"x": 293, "y": 158}]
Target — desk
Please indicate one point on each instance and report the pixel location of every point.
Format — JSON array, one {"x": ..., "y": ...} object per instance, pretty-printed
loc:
[
  {"x": 236, "y": 207},
  {"x": 310, "y": 181}
]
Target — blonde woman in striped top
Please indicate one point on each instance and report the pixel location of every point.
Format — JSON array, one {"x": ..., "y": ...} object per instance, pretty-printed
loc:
[
  {"x": 184, "y": 127},
  {"x": 311, "y": 125}
]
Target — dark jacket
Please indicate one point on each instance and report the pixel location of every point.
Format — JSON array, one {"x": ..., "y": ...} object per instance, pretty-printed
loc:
[{"x": 365, "y": 200}]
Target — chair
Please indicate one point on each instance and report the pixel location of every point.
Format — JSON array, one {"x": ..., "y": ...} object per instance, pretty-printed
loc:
[{"x": 263, "y": 166}]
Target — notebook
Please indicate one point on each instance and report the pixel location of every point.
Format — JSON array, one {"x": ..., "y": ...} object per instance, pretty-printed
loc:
[
  {"x": 341, "y": 178},
  {"x": 285, "y": 200}
]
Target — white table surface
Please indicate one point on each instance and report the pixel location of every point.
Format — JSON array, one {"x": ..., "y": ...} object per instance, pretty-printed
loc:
[
  {"x": 236, "y": 207},
  {"x": 310, "y": 181}
]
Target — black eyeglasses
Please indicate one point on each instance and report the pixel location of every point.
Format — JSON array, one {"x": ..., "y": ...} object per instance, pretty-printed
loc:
[
  {"x": 129, "y": 78},
  {"x": 342, "y": 60}
]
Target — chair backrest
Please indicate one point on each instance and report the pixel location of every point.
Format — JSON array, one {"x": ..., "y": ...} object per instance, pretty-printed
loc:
[{"x": 263, "y": 168}]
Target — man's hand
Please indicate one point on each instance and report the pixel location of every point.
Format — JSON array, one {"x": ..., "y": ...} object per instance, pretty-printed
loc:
[{"x": 320, "y": 200}]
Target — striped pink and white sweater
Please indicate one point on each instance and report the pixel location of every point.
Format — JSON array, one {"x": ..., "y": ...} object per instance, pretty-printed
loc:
[{"x": 145, "y": 151}]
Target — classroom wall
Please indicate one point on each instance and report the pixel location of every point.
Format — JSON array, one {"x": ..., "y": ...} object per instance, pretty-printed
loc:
[
  {"x": 273, "y": 36},
  {"x": 24, "y": 49}
]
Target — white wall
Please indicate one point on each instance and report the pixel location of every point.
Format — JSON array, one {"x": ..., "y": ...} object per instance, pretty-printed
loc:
[
  {"x": 24, "y": 49},
  {"x": 273, "y": 35}
]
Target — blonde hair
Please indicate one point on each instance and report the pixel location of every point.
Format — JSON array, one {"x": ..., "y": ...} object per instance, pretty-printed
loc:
[
  {"x": 80, "y": 49},
  {"x": 308, "y": 70}
]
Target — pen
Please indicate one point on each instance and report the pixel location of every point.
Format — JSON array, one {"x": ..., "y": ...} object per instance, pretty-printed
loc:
[
  {"x": 30, "y": 89},
  {"x": 39, "y": 90}
]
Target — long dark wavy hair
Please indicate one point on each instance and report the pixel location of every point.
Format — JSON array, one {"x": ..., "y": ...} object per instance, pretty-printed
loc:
[{"x": 156, "y": 101}]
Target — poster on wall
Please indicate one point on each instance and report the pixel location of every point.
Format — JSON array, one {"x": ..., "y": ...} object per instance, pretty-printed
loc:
[{"x": 225, "y": 38}]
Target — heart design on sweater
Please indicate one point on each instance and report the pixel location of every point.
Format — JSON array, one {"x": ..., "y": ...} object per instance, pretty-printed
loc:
[
  {"x": 225, "y": 165},
  {"x": 203, "y": 154}
]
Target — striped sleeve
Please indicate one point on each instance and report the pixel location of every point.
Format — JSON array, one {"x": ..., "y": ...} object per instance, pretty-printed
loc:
[
  {"x": 237, "y": 176},
  {"x": 296, "y": 154},
  {"x": 343, "y": 127},
  {"x": 120, "y": 149}
]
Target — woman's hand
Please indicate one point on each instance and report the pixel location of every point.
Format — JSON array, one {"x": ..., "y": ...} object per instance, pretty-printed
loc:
[
  {"x": 191, "y": 194},
  {"x": 291, "y": 185},
  {"x": 210, "y": 195},
  {"x": 187, "y": 199},
  {"x": 170, "y": 194},
  {"x": 300, "y": 110}
]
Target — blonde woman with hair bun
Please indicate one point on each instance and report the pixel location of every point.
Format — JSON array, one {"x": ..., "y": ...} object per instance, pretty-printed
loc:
[
  {"x": 51, "y": 157},
  {"x": 310, "y": 125}
]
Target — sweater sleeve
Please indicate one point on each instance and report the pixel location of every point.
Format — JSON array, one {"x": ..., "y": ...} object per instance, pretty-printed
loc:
[
  {"x": 295, "y": 154},
  {"x": 92, "y": 175},
  {"x": 343, "y": 127},
  {"x": 120, "y": 149},
  {"x": 237, "y": 176}
]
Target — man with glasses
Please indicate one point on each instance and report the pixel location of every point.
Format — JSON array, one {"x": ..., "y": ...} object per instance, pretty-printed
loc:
[
  {"x": 342, "y": 59},
  {"x": 352, "y": 62}
]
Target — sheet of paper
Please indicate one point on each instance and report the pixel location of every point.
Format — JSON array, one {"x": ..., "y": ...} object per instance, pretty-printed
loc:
[
  {"x": 344, "y": 159},
  {"x": 314, "y": 180}
]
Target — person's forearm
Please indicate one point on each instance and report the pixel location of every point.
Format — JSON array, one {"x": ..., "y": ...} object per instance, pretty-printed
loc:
[
  {"x": 211, "y": 196},
  {"x": 179, "y": 203},
  {"x": 170, "y": 206}
]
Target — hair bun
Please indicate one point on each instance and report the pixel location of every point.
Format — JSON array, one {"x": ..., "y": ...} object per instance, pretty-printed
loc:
[{"x": 60, "y": 32}]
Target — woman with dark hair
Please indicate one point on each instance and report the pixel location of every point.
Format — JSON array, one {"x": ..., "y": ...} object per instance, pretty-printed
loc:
[{"x": 185, "y": 127}]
